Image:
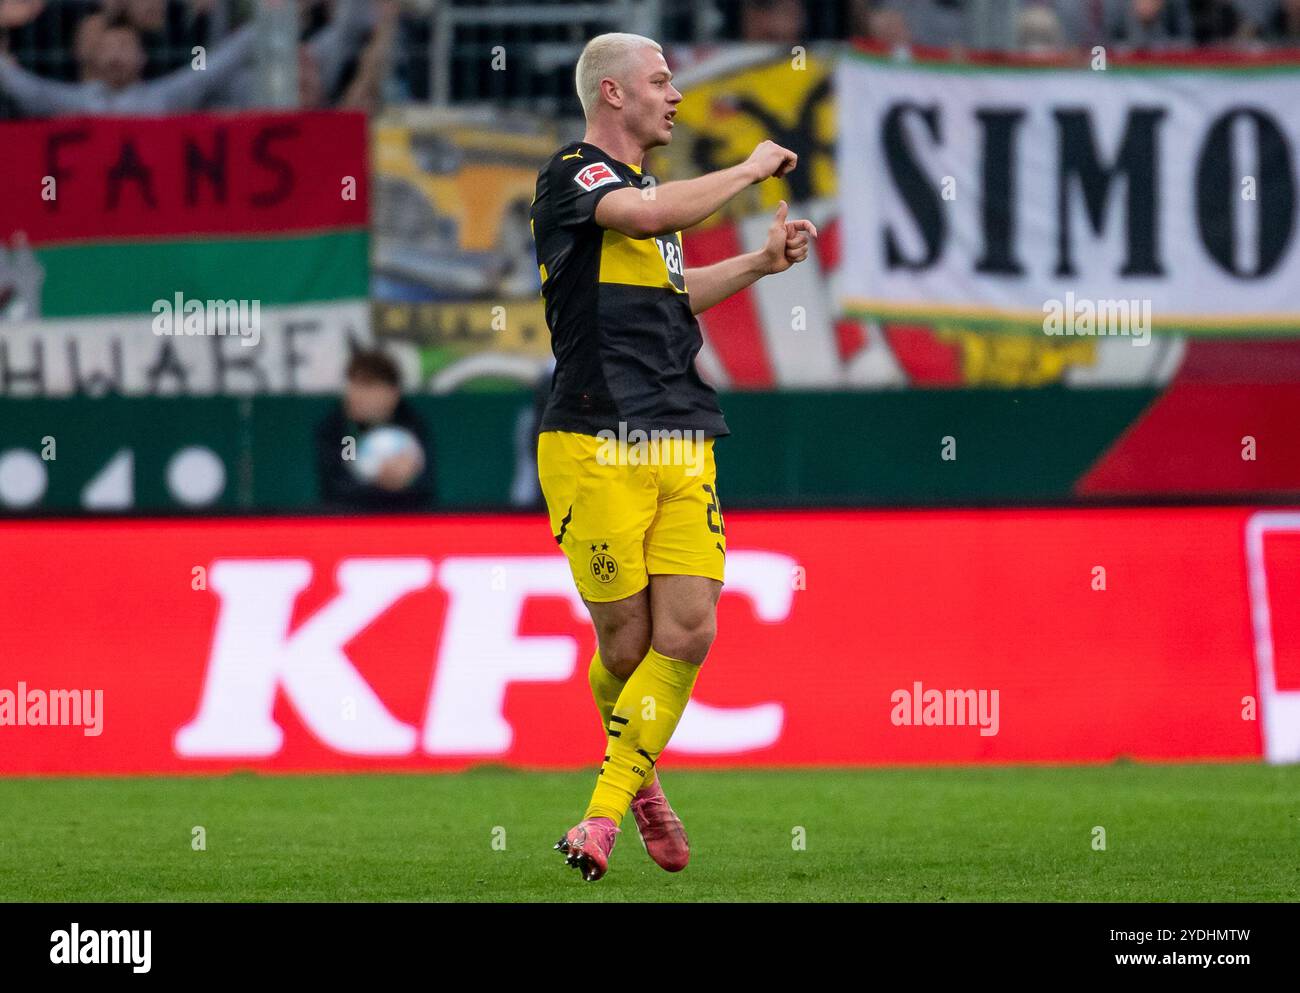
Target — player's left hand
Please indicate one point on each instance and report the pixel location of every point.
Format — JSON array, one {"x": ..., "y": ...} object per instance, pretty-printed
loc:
[{"x": 787, "y": 241}]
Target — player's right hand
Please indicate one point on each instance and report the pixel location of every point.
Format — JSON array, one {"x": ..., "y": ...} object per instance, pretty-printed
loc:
[{"x": 771, "y": 160}]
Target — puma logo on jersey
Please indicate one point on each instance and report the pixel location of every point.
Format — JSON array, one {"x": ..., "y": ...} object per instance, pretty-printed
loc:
[
  {"x": 571, "y": 155},
  {"x": 595, "y": 176}
]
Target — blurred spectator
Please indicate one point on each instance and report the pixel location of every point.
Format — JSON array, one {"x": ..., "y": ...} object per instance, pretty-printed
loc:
[
  {"x": 1087, "y": 23},
  {"x": 71, "y": 41},
  {"x": 168, "y": 29},
  {"x": 19, "y": 13},
  {"x": 932, "y": 22},
  {"x": 886, "y": 26},
  {"x": 1154, "y": 24},
  {"x": 366, "y": 90},
  {"x": 333, "y": 34},
  {"x": 1282, "y": 25},
  {"x": 312, "y": 16},
  {"x": 311, "y": 89},
  {"x": 411, "y": 69},
  {"x": 372, "y": 450},
  {"x": 1216, "y": 22},
  {"x": 329, "y": 43},
  {"x": 1039, "y": 31},
  {"x": 89, "y": 33},
  {"x": 113, "y": 81},
  {"x": 38, "y": 33},
  {"x": 773, "y": 21},
  {"x": 145, "y": 15}
]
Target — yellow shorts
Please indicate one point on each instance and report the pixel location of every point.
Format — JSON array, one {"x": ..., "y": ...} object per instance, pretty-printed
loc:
[{"x": 625, "y": 513}]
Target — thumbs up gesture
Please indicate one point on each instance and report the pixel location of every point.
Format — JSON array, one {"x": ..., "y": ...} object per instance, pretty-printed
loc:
[{"x": 787, "y": 240}]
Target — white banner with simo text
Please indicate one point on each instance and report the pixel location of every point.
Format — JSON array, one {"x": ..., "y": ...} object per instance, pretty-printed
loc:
[{"x": 1071, "y": 200}]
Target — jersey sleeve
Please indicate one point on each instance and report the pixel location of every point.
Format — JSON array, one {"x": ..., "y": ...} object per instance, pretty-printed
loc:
[{"x": 577, "y": 185}]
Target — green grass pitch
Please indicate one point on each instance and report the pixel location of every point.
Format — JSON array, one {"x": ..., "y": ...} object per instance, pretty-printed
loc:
[{"x": 1173, "y": 832}]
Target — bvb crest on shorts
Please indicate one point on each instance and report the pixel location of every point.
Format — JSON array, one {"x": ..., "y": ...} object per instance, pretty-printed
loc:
[{"x": 603, "y": 566}]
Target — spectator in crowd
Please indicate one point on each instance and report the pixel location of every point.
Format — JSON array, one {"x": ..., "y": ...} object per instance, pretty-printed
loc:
[
  {"x": 890, "y": 28},
  {"x": 114, "y": 83},
  {"x": 886, "y": 26},
  {"x": 38, "y": 32},
  {"x": 86, "y": 43},
  {"x": 1282, "y": 26},
  {"x": 941, "y": 23},
  {"x": 70, "y": 41},
  {"x": 1154, "y": 24},
  {"x": 1087, "y": 23},
  {"x": 146, "y": 15},
  {"x": 311, "y": 88},
  {"x": 780, "y": 21},
  {"x": 329, "y": 43},
  {"x": 41, "y": 33},
  {"x": 312, "y": 16},
  {"x": 1039, "y": 31},
  {"x": 1159, "y": 23},
  {"x": 169, "y": 29},
  {"x": 359, "y": 470},
  {"x": 325, "y": 55},
  {"x": 1218, "y": 22},
  {"x": 365, "y": 91},
  {"x": 19, "y": 13}
]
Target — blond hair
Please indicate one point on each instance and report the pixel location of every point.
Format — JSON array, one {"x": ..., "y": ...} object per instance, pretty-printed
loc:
[{"x": 606, "y": 56}]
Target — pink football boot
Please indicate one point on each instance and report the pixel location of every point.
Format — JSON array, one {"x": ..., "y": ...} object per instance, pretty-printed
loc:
[
  {"x": 587, "y": 846},
  {"x": 661, "y": 829}
]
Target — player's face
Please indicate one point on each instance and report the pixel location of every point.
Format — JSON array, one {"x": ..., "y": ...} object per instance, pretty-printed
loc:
[{"x": 651, "y": 100}]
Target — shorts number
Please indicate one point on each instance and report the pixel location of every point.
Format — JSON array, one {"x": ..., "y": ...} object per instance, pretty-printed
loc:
[{"x": 720, "y": 527}]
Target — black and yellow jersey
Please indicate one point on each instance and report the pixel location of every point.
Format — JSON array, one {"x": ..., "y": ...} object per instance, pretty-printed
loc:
[{"x": 622, "y": 330}]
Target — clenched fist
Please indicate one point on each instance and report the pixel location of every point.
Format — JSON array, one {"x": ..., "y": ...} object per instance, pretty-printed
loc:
[{"x": 769, "y": 159}]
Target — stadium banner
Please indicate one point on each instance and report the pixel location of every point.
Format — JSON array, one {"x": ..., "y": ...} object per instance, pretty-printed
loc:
[
  {"x": 125, "y": 241},
  {"x": 454, "y": 272},
  {"x": 131, "y": 453},
  {"x": 295, "y": 349},
  {"x": 782, "y": 333},
  {"x": 459, "y": 345},
  {"x": 854, "y": 638},
  {"x": 1107, "y": 201},
  {"x": 456, "y": 285}
]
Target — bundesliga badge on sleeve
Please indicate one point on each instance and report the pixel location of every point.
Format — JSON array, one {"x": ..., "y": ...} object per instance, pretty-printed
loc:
[{"x": 596, "y": 175}]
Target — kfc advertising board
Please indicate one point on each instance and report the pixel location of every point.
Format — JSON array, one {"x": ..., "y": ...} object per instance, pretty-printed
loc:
[{"x": 845, "y": 638}]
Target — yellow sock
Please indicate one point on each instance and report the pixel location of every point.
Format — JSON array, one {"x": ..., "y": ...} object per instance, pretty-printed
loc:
[
  {"x": 605, "y": 688},
  {"x": 643, "y": 719}
]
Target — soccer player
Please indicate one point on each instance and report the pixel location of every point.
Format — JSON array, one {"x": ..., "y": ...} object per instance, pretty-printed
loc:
[{"x": 625, "y": 450}]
